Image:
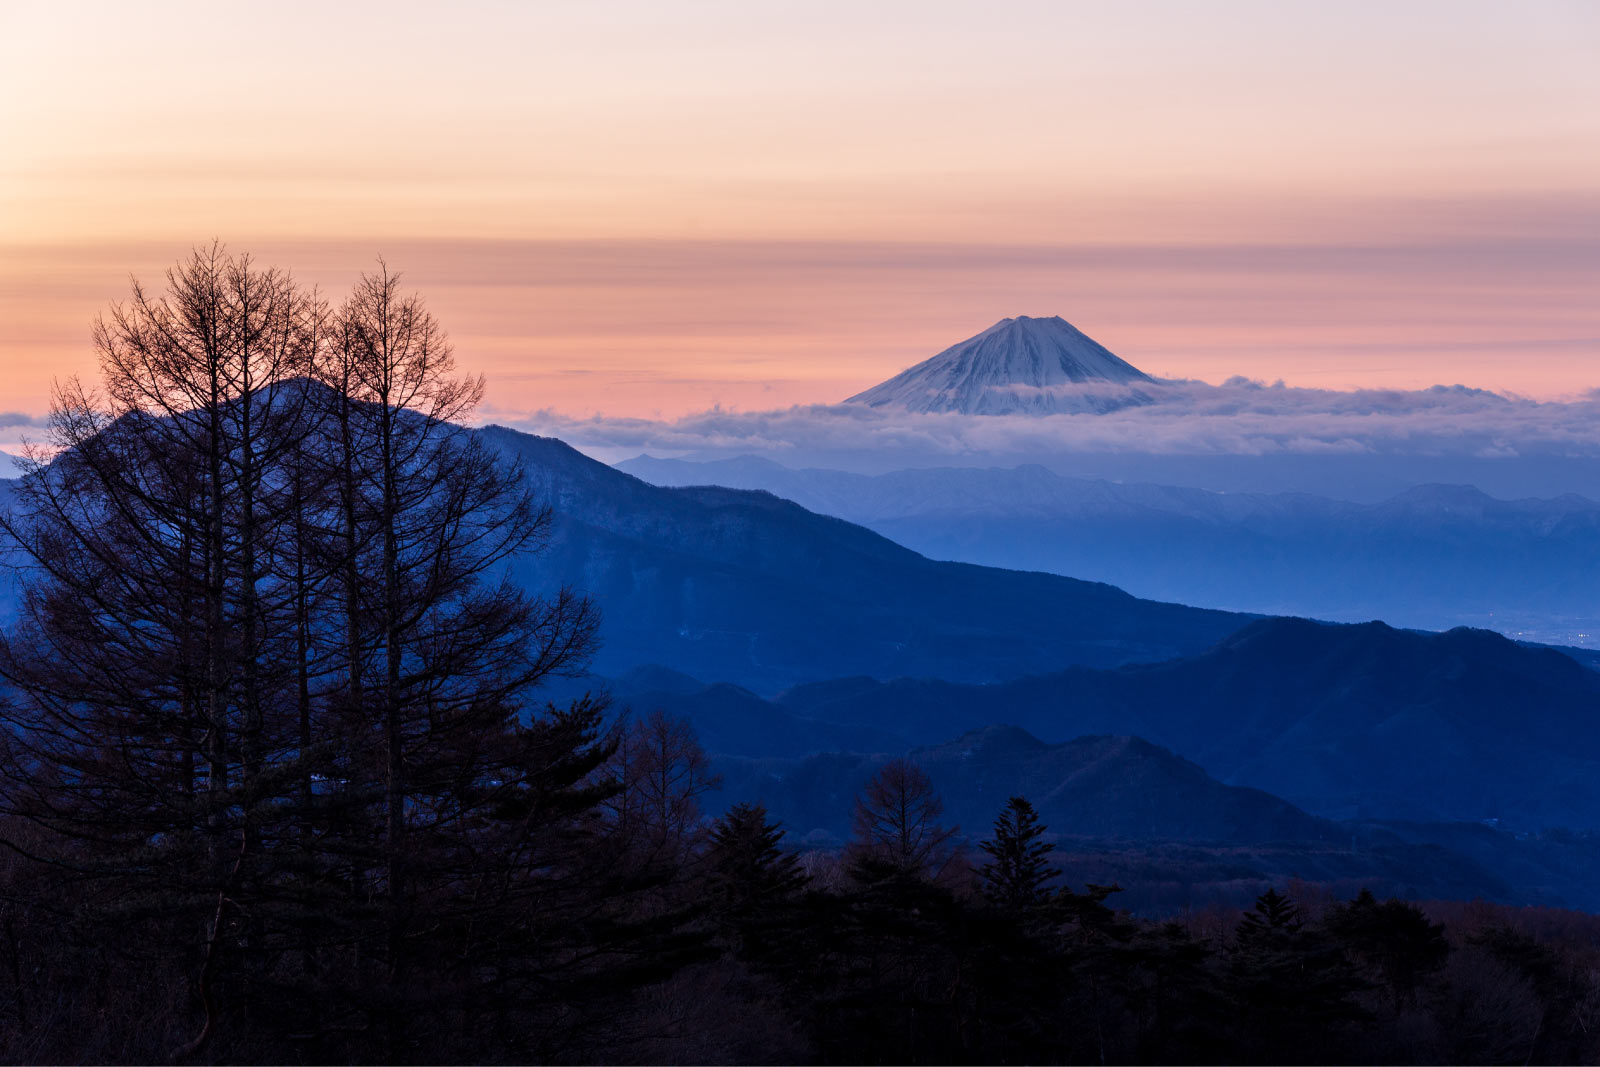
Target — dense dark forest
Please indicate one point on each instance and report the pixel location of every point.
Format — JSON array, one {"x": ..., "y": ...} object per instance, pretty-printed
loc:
[{"x": 277, "y": 784}]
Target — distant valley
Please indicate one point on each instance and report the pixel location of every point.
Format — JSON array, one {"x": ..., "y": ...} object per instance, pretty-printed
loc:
[
  {"x": 1434, "y": 765},
  {"x": 1433, "y": 557},
  {"x": 1345, "y": 721},
  {"x": 1124, "y": 811}
]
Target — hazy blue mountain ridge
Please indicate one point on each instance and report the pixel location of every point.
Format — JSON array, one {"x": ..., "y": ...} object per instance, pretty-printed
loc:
[
  {"x": 745, "y": 587},
  {"x": 1301, "y": 723},
  {"x": 1092, "y": 786},
  {"x": 1434, "y": 556},
  {"x": 1346, "y": 721},
  {"x": 1122, "y": 810}
]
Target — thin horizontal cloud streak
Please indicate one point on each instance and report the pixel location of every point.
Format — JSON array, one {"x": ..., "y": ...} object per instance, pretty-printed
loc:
[{"x": 1399, "y": 293}]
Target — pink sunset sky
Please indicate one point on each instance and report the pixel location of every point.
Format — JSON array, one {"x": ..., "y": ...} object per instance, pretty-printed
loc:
[{"x": 648, "y": 209}]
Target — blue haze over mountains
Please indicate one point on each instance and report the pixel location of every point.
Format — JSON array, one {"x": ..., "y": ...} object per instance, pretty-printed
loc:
[
  {"x": 744, "y": 587},
  {"x": 891, "y": 649},
  {"x": 1184, "y": 748},
  {"x": 1433, "y": 556}
]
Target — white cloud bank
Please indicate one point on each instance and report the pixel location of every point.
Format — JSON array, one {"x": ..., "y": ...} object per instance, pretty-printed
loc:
[{"x": 1239, "y": 417}]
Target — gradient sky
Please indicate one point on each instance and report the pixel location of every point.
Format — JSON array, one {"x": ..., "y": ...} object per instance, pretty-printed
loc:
[{"x": 649, "y": 208}]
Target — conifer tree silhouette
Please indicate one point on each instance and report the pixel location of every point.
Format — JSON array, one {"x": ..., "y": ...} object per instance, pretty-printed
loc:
[{"x": 1019, "y": 874}]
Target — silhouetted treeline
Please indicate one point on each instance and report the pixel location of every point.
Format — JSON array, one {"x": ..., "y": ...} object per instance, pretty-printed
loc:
[
  {"x": 991, "y": 958},
  {"x": 276, "y": 785},
  {"x": 691, "y": 943}
]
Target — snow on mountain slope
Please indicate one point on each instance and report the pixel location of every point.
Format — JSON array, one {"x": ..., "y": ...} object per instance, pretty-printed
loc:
[{"x": 1017, "y": 366}]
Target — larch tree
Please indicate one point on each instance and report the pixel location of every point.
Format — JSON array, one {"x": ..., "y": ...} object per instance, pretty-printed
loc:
[
  {"x": 896, "y": 824},
  {"x": 442, "y": 650},
  {"x": 272, "y": 687},
  {"x": 149, "y": 737}
]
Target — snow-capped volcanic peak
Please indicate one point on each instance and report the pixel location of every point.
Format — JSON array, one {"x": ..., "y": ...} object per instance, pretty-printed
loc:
[{"x": 1017, "y": 365}]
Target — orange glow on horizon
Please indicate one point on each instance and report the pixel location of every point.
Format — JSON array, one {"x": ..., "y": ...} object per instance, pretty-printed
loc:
[{"x": 619, "y": 207}]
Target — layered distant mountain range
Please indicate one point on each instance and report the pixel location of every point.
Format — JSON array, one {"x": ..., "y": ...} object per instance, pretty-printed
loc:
[
  {"x": 1346, "y": 721},
  {"x": 1439, "y": 765},
  {"x": 743, "y": 587},
  {"x": 1434, "y": 556},
  {"x": 1215, "y": 748}
]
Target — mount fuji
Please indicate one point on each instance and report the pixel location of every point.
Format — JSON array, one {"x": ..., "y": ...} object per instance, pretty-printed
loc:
[{"x": 1020, "y": 366}]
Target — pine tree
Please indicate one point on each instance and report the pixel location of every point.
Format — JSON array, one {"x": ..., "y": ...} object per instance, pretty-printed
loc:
[
  {"x": 1396, "y": 942},
  {"x": 1018, "y": 875},
  {"x": 1291, "y": 981},
  {"x": 1273, "y": 920},
  {"x": 749, "y": 870}
]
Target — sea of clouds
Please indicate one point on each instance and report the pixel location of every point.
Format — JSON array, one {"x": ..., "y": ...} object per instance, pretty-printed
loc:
[
  {"x": 1238, "y": 417},
  {"x": 1241, "y": 434}
]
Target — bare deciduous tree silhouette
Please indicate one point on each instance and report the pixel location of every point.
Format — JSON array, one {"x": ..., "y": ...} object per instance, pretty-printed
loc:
[
  {"x": 270, "y": 669},
  {"x": 896, "y": 823}
]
